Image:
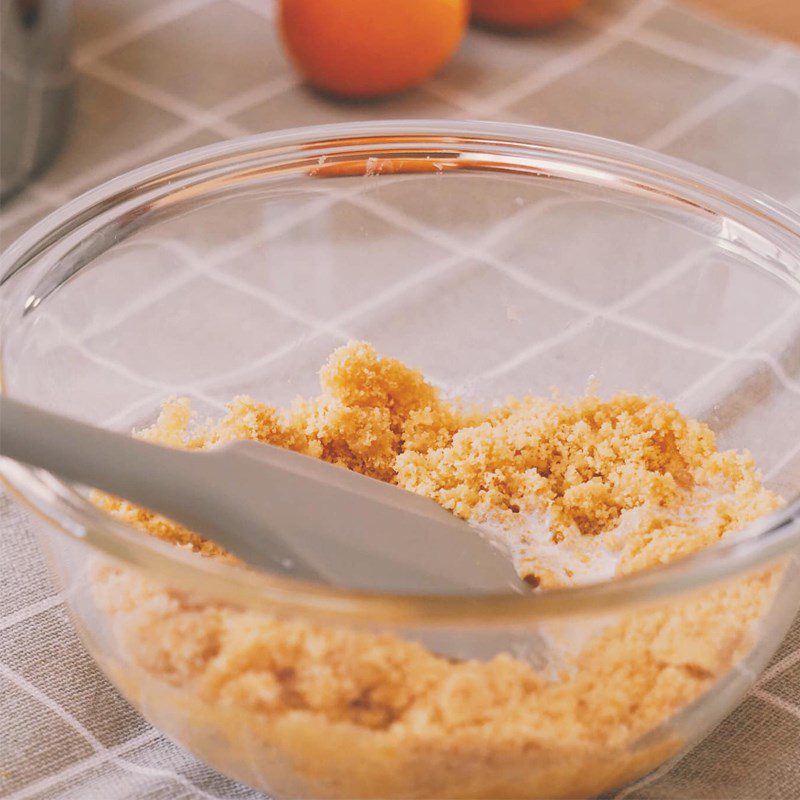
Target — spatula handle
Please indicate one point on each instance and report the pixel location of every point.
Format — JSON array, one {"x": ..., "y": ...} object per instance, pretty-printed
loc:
[
  {"x": 83, "y": 453},
  {"x": 191, "y": 487}
]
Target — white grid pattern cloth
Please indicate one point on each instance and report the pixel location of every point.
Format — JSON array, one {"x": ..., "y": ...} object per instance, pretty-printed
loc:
[{"x": 161, "y": 76}]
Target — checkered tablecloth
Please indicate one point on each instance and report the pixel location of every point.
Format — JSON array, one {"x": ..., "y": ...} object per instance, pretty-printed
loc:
[{"x": 161, "y": 76}]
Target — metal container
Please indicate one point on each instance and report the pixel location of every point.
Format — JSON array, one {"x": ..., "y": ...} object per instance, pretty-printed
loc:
[{"x": 36, "y": 88}]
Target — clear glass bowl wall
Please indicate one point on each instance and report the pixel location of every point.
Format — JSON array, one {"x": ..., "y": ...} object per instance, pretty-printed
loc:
[{"x": 499, "y": 260}]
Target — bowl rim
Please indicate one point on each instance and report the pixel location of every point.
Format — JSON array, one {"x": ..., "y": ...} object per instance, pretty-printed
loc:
[{"x": 60, "y": 506}]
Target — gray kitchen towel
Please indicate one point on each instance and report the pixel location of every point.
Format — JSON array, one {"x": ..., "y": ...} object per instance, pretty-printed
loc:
[{"x": 644, "y": 71}]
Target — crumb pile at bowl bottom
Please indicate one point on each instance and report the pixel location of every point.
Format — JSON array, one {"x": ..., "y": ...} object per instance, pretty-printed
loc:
[{"x": 577, "y": 490}]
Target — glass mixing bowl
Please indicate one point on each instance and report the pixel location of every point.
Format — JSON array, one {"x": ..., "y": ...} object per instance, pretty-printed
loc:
[{"x": 499, "y": 259}]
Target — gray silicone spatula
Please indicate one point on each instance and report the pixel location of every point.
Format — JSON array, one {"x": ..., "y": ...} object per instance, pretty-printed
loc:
[{"x": 272, "y": 508}]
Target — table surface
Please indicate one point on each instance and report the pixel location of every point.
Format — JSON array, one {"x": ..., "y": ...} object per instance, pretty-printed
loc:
[
  {"x": 778, "y": 18},
  {"x": 716, "y": 96}
]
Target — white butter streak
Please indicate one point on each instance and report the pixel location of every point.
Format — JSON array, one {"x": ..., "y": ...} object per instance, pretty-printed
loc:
[{"x": 579, "y": 559}]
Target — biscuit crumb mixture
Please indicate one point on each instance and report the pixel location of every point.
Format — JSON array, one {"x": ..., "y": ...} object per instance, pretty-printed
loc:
[{"x": 576, "y": 490}]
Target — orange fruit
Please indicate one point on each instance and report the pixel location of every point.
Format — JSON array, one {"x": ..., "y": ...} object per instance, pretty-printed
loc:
[
  {"x": 367, "y": 48},
  {"x": 522, "y": 14}
]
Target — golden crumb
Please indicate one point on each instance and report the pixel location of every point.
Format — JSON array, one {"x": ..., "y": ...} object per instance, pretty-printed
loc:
[{"x": 578, "y": 490}]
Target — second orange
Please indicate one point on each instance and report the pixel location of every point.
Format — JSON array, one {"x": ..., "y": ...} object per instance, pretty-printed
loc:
[{"x": 522, "y": 14}]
